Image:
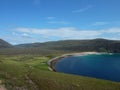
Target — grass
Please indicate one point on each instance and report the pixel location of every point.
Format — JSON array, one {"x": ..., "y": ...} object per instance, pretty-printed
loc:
[{"x": 29, "y": 72}]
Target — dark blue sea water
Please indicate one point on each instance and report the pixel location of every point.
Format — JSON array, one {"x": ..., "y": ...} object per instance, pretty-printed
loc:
[{"x": 104, "y": 66}]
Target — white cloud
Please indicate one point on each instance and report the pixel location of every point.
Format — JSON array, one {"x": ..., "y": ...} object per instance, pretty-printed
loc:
[
  {"x": 63, "y": 33},
  {"x": 82, "y": 9},
  {"x": 14, "y": 33},
  {"x": 69, "y": 32},
  {"x": 113, "y": 30},
  {"x": 100, "y": 23},
  {"x": 27, "y": 30},
  {"x": 58, "y": 22},
  {"x": 25, "y": 35},
  {"x": 29, "y": 35},
  {"x": 50, "y": 18}
]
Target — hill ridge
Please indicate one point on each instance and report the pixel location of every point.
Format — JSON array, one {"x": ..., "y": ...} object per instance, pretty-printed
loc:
[
  {"x": 78, "y": 45},
  {"x": 4, "y": 44}
]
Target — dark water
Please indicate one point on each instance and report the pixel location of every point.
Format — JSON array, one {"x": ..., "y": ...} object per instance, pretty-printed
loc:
[{"x": 105, "y": 66}]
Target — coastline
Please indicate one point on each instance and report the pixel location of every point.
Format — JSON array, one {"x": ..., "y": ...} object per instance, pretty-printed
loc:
[{"x": 51, "y": 63}]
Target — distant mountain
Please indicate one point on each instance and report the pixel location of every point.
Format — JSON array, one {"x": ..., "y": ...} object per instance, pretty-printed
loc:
[
  {"x": 99, "y": 45},
  {"x": 4, "y": 44}
]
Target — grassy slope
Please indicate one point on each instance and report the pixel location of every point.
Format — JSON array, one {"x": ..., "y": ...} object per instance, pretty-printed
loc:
[{"x": 31, "y": 73}]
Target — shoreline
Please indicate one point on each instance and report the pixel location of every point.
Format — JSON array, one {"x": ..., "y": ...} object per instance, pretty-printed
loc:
[{"x": 51, "y": 63}]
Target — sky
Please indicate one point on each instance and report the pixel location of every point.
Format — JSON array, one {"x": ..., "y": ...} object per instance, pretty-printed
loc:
[{"x": 30, "y": 21}]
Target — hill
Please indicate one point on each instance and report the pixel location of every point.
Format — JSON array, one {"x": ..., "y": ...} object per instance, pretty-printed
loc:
[
  {"x": 99, "y": 45},
  {"x": 24, "y": 67},
  {"x": 4, "y": 44},
  {"x": 61, "y": 47}
]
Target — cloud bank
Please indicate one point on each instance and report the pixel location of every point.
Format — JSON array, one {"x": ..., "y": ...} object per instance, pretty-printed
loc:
[
  {"x": 82, "y": 9},
  {"x": 30, "y": 35},
  {"x": 70, "y": 32},
  {"x": 62, "y": 33}
]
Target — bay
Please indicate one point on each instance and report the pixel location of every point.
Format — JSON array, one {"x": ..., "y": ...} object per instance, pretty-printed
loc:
[{"x": 102, "y": 66}]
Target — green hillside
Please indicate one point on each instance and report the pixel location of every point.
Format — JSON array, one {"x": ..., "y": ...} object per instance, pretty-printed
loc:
[
  {"x": 99, "y": 45},
  {"x": 24, "y": 67},
  {"x": 29, "y": 72}
]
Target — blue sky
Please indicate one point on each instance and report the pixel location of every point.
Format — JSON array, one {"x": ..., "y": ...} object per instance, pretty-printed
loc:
[{"x": 28, "y": 21}]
